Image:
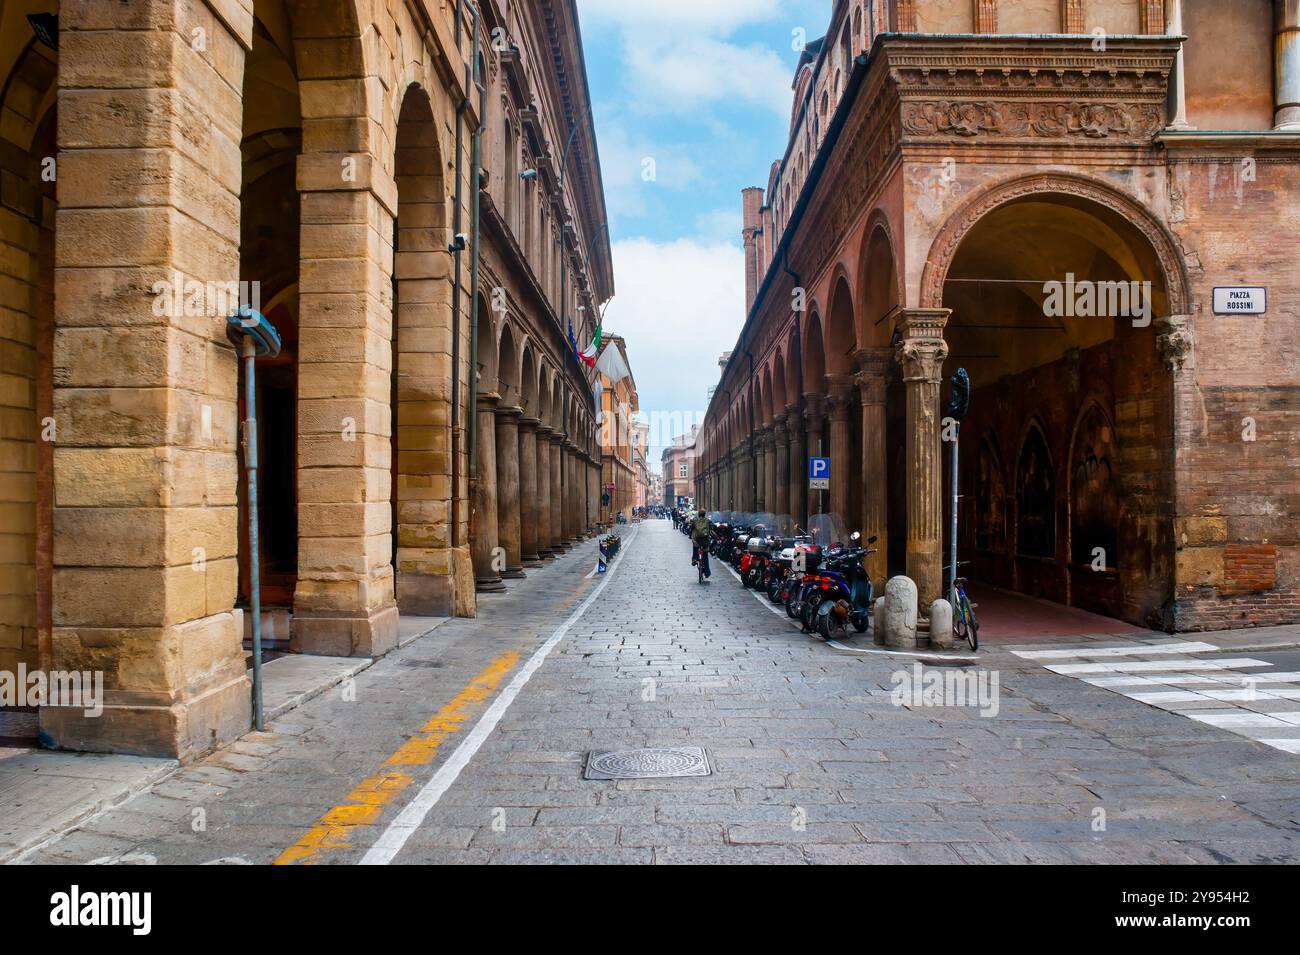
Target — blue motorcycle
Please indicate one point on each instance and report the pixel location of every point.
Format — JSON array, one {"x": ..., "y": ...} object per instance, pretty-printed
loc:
[{"x": 849, "y": 594}]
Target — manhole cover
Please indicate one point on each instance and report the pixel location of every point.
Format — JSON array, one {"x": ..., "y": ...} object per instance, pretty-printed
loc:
[{"x": 648, "y": 763}]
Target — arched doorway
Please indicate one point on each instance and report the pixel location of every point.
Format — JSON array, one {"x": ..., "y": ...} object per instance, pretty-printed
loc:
[
  {"x": 270, "y": 229},
  {"x": 882, "y": 494},
  {"x": 422, "y": 495},
  {"x": 483, "y": 519},
  {"x": 843, "y": 414},
  {"x": 1056, "y": 287},
  {"x": 28, "y": 153}
]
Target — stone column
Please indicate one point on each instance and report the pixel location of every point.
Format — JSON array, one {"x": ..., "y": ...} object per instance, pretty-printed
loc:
[
  {"x": 572, "y": 530},
  {"x": 798, "y": 464},
  {"x": 873, "y": 364},
  {"x": 839, "y": 393},
  {"x": 747, "y": 465},
  {"x": 145, "y": 526},
  {"x": 543, "y": 466},
  {"x": 1177, "y": 106},
  {"x": 725, "y": 503},
  {"x": 818, "y": 501},
  {"x": 557, "y": 493},
  {"x": 529, "y": 507},
  {"x": 484, "y": 519},
  {"x": 509, "y": 508},
  {"x": 760, "y": 469},
  {"x": 780, "y": 473},
  {"x": 920, "y": 354},
  {"x": 1286, "y": 65}
]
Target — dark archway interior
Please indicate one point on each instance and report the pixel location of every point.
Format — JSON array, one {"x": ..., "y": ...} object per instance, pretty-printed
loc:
[
  {"x": 269, "y": 245},
  {"x": 1054, "y": 304}
]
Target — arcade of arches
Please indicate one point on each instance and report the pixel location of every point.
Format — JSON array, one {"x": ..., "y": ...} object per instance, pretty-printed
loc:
[
  {"x": 322, "y": 157},
  {"x": 1103, "y": 462}
]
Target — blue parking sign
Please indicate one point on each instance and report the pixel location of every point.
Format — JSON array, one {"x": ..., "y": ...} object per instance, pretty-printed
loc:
[{"x": 819, "y": 474}]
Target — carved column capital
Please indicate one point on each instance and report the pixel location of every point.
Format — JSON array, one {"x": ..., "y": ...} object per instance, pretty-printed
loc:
[
  {"x": 812, "y": 411},
  {"x": 839, "y": 392},
  {"x": 509, "y": 411},
  {"x": 873, "y": 365},
  {"x": 793, "y": 418},
  {"x": 1175, "y": 341},
  {"x": 921, "y": 350}
]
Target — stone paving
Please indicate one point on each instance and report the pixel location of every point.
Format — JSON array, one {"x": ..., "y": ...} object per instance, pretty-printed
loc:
[{"x": 814, "y": 760}]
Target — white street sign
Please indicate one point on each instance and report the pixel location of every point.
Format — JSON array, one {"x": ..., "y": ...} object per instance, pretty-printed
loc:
[{"x": 1240, "y": 300}]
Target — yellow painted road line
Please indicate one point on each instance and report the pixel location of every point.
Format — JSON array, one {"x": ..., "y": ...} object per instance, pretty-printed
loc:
[
  {"x": 365, "y": 804},
  {"x": 412, "y": 816}
]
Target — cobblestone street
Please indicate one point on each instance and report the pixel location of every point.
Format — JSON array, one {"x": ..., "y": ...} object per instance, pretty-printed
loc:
[{"x": 438, "y": 755}]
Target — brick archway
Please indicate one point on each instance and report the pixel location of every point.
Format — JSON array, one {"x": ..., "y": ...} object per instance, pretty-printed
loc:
[
  {"x": 991, "y": 268},
  {"x": 958, "y": 225}
]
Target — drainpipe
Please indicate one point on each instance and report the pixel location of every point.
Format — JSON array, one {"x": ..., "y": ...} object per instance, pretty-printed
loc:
[
  {"x": 798, "y": 329},
  {"x": 1286, "y": 65},
  {"x": 753, "y": 454},
  {"x": 456, "y": 249},
  {"x": 475, "y": 162}
]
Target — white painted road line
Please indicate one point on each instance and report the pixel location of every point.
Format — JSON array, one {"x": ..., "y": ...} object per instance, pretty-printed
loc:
[
  {"x": 1149, "y": 666},
  {"x": 413, "y": 815},
  {"x": 1242, "y": 719},
  {"x": 1285, "y": 745},
  {"x": 1131, "y": 649}
]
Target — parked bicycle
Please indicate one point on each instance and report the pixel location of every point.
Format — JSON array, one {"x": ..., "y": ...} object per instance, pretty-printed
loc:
[{"x": 964, "y": 625}]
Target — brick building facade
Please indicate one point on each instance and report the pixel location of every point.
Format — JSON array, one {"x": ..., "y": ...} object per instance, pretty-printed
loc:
[
  {"x": 679, "y": 468},
  {"x": 955, "y": 171},
  {"x": 322, "y": 153}
]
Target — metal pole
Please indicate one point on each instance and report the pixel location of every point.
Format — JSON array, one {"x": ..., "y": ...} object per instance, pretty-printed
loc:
[
  {"x": 254, "y": 565},
  {"x": 952, "y": 543}
]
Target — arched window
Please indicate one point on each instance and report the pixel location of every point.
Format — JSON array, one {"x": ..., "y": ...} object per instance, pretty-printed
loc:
[
  {"x": 858, "y": 37},
  {"x": 1094, "y": 490},
  {"x": 1035, "y": 498}
]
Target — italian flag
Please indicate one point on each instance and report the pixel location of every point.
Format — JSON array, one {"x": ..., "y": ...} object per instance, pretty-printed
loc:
[{"x": 588, "y": 355}]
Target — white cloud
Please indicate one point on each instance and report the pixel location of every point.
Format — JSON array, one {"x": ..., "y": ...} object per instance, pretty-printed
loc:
[
  {"x": 679, "y": 305},
  {"x": 682, "y": 75},
  {"x": 721, "y": 16},
  {"x": 623, "y": 162},
  {"x": 720, "y": 225}
]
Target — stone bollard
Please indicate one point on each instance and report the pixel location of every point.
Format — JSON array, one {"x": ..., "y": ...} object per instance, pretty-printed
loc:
[
  {"x": 941, "y": 624},
  {"x": 900, "y": 612},
  {"x": 878, "y": 621}
]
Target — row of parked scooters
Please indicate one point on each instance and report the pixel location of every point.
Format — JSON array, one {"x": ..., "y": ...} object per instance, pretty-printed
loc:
[{"x": 818, "y": 574}]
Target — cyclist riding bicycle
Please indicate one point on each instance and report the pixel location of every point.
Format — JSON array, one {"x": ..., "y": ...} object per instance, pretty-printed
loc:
[{"x": 701, "y": 531}]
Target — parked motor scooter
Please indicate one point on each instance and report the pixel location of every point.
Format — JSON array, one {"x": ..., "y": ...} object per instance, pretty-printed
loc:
[{"x": 850, "y": 596}]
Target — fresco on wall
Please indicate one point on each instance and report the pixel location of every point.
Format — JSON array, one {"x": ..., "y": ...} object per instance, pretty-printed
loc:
[
  {"x": 1094, "y": 491},
  {"x": 990, "y": 492},
  {"x": 1035, "y": 499}
]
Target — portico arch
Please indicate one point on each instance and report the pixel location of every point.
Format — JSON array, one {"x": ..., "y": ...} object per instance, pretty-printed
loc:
[
  {"x": 880, "y": 391},
  {"x": 1061, "y": 290}
]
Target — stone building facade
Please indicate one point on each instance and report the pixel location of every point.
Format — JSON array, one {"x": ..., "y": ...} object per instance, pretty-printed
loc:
[
  {"x": 1047, "y": 195},
  {"x": 158, "y": 154},
  {"x": 618, "y": 476}
]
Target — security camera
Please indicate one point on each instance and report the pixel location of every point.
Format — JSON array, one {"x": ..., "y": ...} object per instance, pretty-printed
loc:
[
  {"x": 460, "y": 243},
  {"x": 528, "y": 174}
]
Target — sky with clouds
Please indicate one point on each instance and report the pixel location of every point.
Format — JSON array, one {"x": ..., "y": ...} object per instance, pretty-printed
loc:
[{"x": 691, "y": 100}]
